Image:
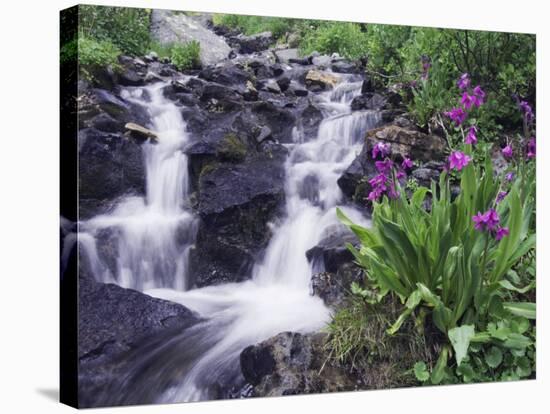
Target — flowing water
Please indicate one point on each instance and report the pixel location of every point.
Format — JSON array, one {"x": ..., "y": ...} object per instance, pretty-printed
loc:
[{"x": 156, "y": 231}]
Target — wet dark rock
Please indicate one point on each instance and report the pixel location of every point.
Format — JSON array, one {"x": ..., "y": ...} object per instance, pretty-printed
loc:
[
  {"x": 343, "y": 66},
  {"x": 367, "y": 86},
  {"x": 428, "y": 172},
  {"x": 114, "y": 322},
  {"x": 334, "y": 287},
  {"x": 133, "y": 71},
  {"x": 279, "y": 120},
  {"x": 331, "y": 252},
  {"x": 304, "y": 61},
  {"x": 283, "y": 83},
  {"x": 353, "y": 181},
  {"x": 228, "y": 74},
  {"x": 291, "y": 363},
  {"x": 373, "y": 101},
  {"x": 286, "y": 55},
  {"x": 110, "y": 165},
  {"x": 253, "y": 43},
  {"x": 235, "y": 203},
  {"x": 309, "y": 120}
]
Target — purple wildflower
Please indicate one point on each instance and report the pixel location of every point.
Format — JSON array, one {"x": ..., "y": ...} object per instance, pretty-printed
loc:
[
  {"x": 510, "y": 176},
  {"x": 507, "y": 151},
  {"x": 527, "y": 110},
  {"x": 531, "y": 148},
  {"x": 400, "y": 174},
  {"x": 380, "y": 149},
  {"x": 378, "y": 180},
  {"x": 463, "y": 82},
  {"x": 458, "y": 160},
  {"x": 500, "y": 196},
  {"x": 486, "y": 221},
  {"x": 467, "y": 101},
  {"x": 501, "y": 232},
  {"x": 479, "y": 96},
  {"x": 385, "y": 166},
  {"x": 471, "y": 137},
  {"x": 407, "y": 163},
  {"x": 457, "y": 115},
  {"x": 393, "y": 193},
  {"x": 375, "y": 194}
]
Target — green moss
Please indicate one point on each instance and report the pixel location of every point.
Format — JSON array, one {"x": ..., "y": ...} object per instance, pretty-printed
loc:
[
  {"x": 208, "y": 168},
  {"x": 231, "y": 149}
]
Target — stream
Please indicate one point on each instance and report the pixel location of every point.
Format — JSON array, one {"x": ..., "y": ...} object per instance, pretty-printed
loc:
[{"x": 154, "y": 234}]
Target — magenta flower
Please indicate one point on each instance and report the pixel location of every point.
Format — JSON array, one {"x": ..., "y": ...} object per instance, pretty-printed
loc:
[
  {"x": 471, "y": 137},
  {"x": 479, "y": 96},
  {"x": 457, "y": 115},
  {"x": 407, "y": 163},
  {"x": 486, "y": 221},
  {"x": 378, "y": 180},
  {"x": 380, "y": 149},
  {"x": 467, "y": 100},
  {"x": 527, "y": 110},
  {"x": 385, "y": 166},
  {"x": 507, "y": 151},
  {"x": 510, "y": 176},
  {"x": 501, "y": 232},
  {"x": 375, "y": 194},
  {"x": 463, "y": 82},
  {"x": 500, "y": 196},
  {"x": 531, "y": 148},
  {"x": 458, "y": 160},
  {"x": 400, "y": 174},
  {"x": 393, "y": 193}
]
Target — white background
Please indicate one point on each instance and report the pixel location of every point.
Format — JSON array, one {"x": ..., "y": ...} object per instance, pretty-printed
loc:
[{"x": 29, "y": 188}]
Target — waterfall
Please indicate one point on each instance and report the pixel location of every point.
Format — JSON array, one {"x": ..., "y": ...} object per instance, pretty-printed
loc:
[
  {"x": 193, "y": 365},
  {"x": 278, "y": 298},
  {"x": 154, "y": 233}
]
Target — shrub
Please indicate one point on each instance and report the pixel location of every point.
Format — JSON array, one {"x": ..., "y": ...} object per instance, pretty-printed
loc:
[
  {"x": 92, "y": 55},
  {"x": 125, "y": 27},
  {"x": 186, "y": 55},
  {"x": 347, "y": 39},
  {"x": 250, "y": 25}
]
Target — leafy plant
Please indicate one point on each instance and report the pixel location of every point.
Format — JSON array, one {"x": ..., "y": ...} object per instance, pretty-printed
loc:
[
  {"x": 186, "y": 55},
  {"x": 347, "y": 39},
  {"x": 438, "y": 263}
]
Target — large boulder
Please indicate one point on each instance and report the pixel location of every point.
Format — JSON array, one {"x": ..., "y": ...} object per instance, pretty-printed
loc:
[
  {"x": 253, "y": 43},
  {"x": 113, "y": 324},
  {"x": 110, "y": 166},
  {"x": 317, "y": 81},
  {"x": 291, "y": 363},
  {"x": 235, "y": 203},
  {"x": 408, "y": 142},
  {"x": 168, "y": 27}
]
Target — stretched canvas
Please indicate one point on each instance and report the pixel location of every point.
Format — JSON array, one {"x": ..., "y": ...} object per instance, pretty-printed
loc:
[{"x": 263, "y": 206}]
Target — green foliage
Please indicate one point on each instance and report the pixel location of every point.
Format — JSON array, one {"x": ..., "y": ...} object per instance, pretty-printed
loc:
[
  {"x": 431, "y": 94},
  {"x": 185, "y": 55},
  {"x": 250, "y": 25},
  {"x": 92, "y": 55},
  {"x": 438, "y": 264},
  {"x": 347, "y": 39},
  {"x": 125, "y": 27}
]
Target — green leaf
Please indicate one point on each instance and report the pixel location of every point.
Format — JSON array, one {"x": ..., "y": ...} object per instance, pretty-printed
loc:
[
  {"x": 438, "y": 372},
  {"x": 421, "y": 371},
  {"x": 524, "y": 309},
  {"x": 493, "y": 357},
  {"x": 523, "y": 368},
  {"x": 507, "y": 285},
  {"x": 460, "y": 339}
]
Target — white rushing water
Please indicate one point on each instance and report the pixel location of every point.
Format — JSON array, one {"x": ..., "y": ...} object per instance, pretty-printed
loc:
[
  {"x": 154, "y": 232},
  {"x": 277, "y": 298}
]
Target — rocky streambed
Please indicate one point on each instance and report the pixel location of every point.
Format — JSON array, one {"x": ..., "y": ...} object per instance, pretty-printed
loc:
[{"x": 263, "y": 167}]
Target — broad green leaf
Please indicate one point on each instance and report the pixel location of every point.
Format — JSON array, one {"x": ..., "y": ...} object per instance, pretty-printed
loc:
[
  {"x": 460, "y": 340},
  {"x": 507, "y": 285},
  {"x": 421, "y": 371},
  {"x": 438, "y": 372},
  {"x": 493, "y": 357},
  {"x": 524, "y": 309}
]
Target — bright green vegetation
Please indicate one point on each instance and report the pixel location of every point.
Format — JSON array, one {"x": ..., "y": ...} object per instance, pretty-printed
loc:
[{"x": 185, "y": 55}]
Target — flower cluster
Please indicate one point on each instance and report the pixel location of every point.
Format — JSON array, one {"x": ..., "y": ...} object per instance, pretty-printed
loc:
[
  {"x": 458, "y": 160},
  {"x": 470, "y": 98},
  {"x": 527, "y": 111},
  {"x": 384, "y": 181},
  {"x": 507, "y": 151},
  {"x": 531, "y": 148},
  {"x": 490, "y": 222}
]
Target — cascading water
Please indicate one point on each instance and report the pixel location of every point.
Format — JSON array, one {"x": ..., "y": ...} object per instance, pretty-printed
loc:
[
  {"x": 154, "y": 232},
  {"x": 195, "y": 364}
]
